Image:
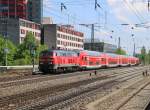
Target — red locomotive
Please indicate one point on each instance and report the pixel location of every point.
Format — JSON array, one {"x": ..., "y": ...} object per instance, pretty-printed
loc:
[
  {"x": 58, "y": 60},
  {"x": 63, "y": 60}
]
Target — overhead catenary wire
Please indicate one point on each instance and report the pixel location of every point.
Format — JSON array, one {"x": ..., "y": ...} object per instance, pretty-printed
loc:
[
  {"x": 59, "y": 16},
  {"x": 62, "y": 13},
  {"x": 138, "y": 12},
  {"x": 143, "y": 22},
  {"x": 133, "y": 10}
]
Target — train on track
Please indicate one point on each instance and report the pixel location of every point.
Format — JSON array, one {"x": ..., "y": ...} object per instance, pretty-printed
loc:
[{"x": 65, "y": 60}]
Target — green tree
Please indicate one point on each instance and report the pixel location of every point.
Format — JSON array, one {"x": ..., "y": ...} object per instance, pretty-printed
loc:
[
  {"x": 11, "y": 51},
  {"x": 120, "y": 51},
  {"x": 149, "y": 57},
  {"x": 25, "y": 50},
  {"x": 143, "y": 55}
]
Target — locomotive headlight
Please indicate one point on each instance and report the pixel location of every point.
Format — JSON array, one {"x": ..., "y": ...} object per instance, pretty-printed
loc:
[
  {"x": 41, "y": 62},
  {"x": 50, "y": 62}
]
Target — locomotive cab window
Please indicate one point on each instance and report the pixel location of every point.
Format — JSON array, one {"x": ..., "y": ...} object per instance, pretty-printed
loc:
[{"x": 46, "y": 53}]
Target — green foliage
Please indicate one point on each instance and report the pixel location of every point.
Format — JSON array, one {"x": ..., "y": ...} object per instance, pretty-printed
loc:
[
  {"x": 144, "y": 56},
  {"x": 10, "y": 55},
  {"x": 38, "y": 51},
  {"x": 21, "y": 54},
  {"x": 143, "y": 51},
  {"x": 120, "y": 51},
  {"x": 26, "y": 50}
]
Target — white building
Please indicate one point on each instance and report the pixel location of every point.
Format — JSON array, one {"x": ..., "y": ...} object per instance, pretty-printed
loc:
[
  {"x": 16, "y": 29},
  {"x": 62, "y": 37},
  {"x": 28, "y": 26}
]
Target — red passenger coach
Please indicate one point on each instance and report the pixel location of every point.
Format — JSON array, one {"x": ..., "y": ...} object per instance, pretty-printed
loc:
[
  {"x": 104, "y": 60},
  {"x": 58, "y": 60},
  {"x": 124, "y": 60},
  {"x": 137, "y": 61},
  {"x": 133, "y": 61},
  {"x": 89, "y": 59},
  {"x": 113, "y": 60}
]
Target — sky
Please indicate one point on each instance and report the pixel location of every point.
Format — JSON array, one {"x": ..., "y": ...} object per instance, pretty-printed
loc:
[{"x": 108, "y": 19}]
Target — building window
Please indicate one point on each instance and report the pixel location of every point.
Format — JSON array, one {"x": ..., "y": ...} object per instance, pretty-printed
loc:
[
  {"x": 37, "y": 34},
  {"x": 58, "y": 35},
  {"x": 61, "y": 36},
  {"x": 22, "y": 31},
  {"x": 58, "y": 42},
  {"x": 22, "y": 23},
  {"x": 22, "y": 39}
]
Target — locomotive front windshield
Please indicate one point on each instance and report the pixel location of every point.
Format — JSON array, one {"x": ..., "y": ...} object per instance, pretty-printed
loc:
[{"x": 46, "y": 53}]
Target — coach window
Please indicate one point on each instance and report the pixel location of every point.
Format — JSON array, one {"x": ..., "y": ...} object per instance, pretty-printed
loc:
[
  {"x": 97, "y": 63},
  {"x": 85, "y": 58},
  {"x": 103, "y": 59},
  {"x": 55, "y": 54}
]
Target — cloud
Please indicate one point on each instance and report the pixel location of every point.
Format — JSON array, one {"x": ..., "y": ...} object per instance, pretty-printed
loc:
[
  {"x": 102, "y": 33},
  {"x": 125, "y": 10},
  {"x": 119, "y": 10},
  {"x": 140, "y": 6},
  {"x": 47, "y": 3}
]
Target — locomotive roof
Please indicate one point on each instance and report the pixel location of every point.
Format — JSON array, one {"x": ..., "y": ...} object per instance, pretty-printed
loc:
[
  {"x": 50, "y": 50},
  {"x": 62, "y": 52},
  {"x": 68, "y": 51}
]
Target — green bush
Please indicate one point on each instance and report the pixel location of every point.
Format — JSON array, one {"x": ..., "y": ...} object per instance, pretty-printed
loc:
[
  {"x": 11, "y": 51},
  {"x": 21, "y": 54}
]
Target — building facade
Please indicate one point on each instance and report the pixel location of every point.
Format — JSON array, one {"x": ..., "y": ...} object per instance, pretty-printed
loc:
[
  {"x": 25, "y": 9},
  {"x": 35, "y": 10},
  {"x": 101, "y": 47},
  {"x": 13, "y": 9},
  {"x": 62, "y": 37},
  {"x": 47, "y": 20},
  {"x": 16, "y": 29}
]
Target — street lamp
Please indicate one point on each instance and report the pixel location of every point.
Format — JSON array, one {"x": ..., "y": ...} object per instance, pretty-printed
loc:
[
  {"x": 32, "y": 53},
  {"x": 4, "y": 25},
  {"x": 132, "y": 36},
  {"x": 133, "y": 43},
  {"x": 6, "y": 50}
]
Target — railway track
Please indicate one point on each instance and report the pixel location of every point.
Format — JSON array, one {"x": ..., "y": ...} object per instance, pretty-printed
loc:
[
  {"x": 72, "y": 96},
  {"x": 83, "y": 87},
  {"x": 39, "y": 78},
  {"x": 118, "y": 99},
  {"x": 29, "y": 76}
]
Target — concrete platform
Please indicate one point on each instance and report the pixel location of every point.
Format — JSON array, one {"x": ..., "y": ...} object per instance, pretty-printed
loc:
[{"x": 4, "y": 68}]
